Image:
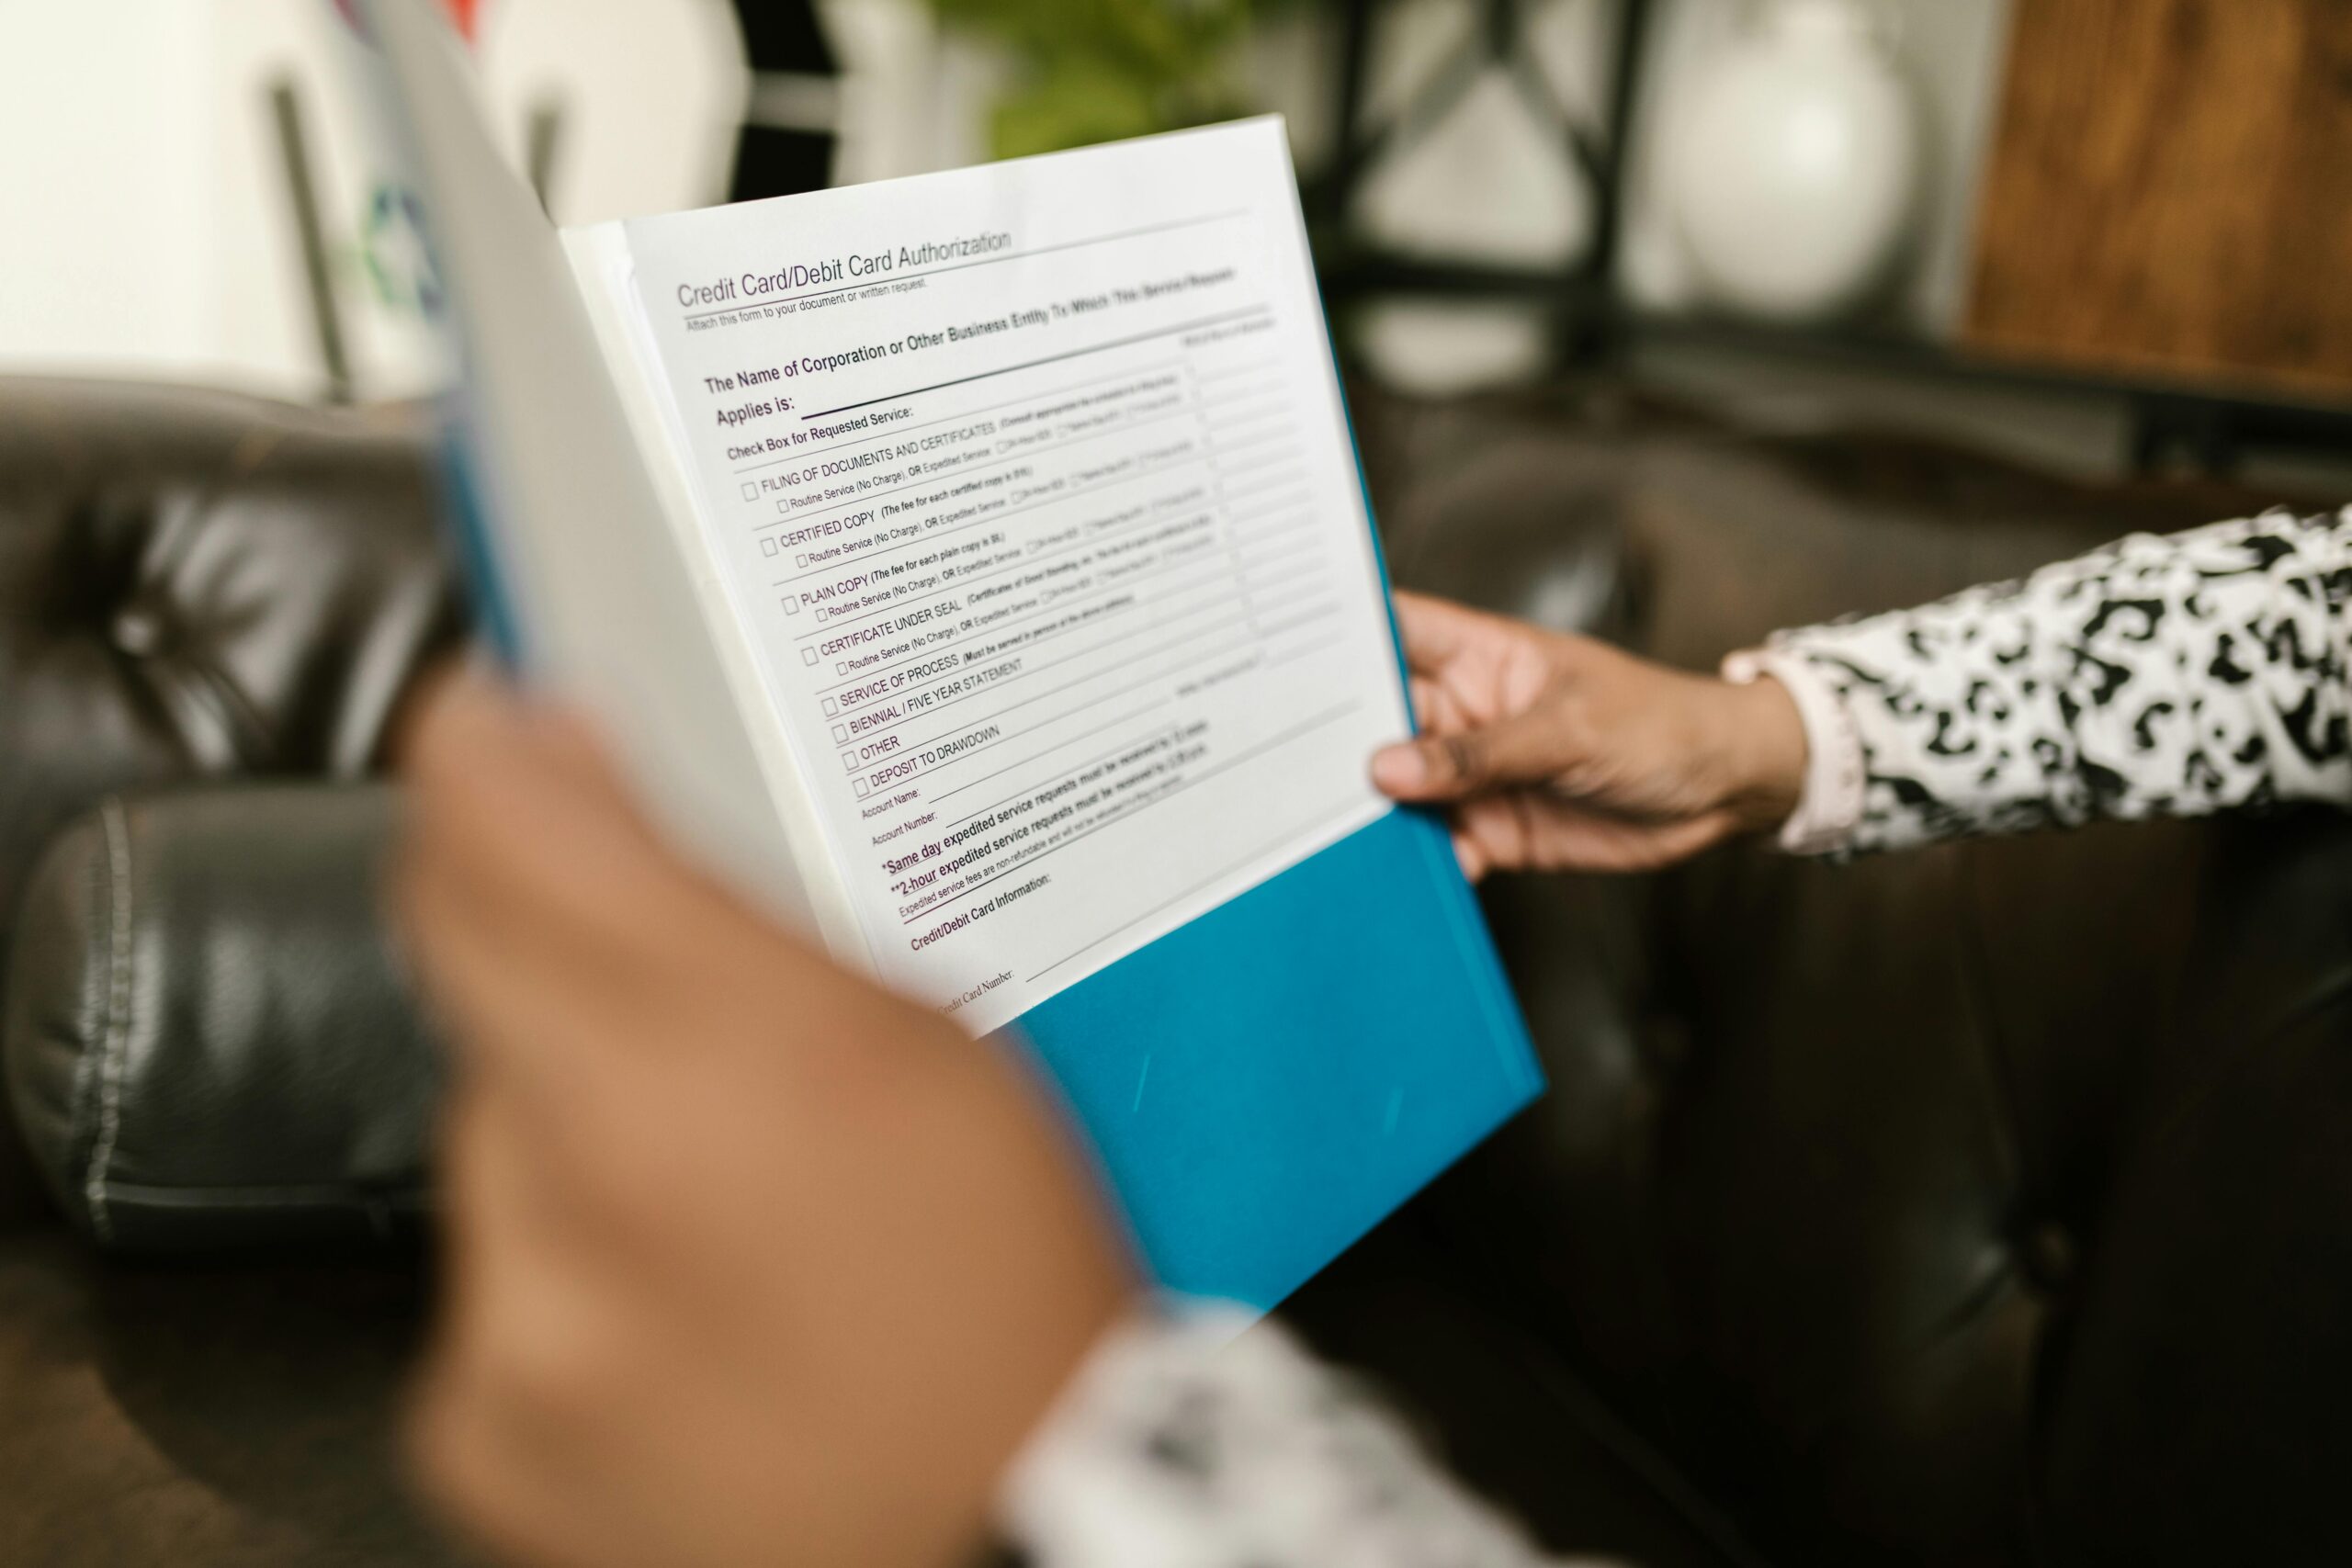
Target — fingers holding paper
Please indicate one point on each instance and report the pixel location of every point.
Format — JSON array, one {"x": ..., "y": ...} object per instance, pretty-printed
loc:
[{"x": 1556, "y": 752}]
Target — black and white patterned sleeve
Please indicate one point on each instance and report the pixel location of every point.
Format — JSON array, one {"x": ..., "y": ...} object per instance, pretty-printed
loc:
[
  {"x": 2167, "y": 676},
  {"x": 1197, "y": 1441}
]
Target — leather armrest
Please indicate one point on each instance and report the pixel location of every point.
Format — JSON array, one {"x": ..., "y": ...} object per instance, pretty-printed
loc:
[{"x": 207, "y": 1044}]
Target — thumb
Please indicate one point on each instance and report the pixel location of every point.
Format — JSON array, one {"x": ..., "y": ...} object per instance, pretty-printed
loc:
[{"x": 1521, "y": 749}]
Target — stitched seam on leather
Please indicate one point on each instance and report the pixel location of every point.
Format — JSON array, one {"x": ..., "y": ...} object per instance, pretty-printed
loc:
[
  {"x": 115, "y": 1045},
  {"x": 133, "y": 1194},
  {"x": 89, "y": 1020}
]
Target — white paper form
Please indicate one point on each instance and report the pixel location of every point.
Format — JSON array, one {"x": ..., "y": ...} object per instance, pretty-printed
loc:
[{"x": 1032, "y": 486}]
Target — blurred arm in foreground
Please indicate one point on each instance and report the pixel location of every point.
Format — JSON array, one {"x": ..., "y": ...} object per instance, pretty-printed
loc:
[{"x": 751, "y": 1260}]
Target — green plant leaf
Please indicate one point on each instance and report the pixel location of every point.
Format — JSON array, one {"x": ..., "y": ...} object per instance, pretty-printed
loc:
[{"x": 1090, "y": 70}]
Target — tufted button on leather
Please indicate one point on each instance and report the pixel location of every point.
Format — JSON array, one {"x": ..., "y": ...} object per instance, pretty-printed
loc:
[
  {"x": 291, "y": 559},
  {"x": 138, "y": 632},
  {"x": 2049, "y": 1258}
]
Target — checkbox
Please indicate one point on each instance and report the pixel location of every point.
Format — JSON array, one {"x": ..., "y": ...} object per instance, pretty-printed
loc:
[
  {"x": 808, "y": 656},
  {"x": 801, "y": 560},
  {"x": 792, "y": 606},
  {"x": 768, "y": 547},
  {"x": 751, "y": 492},
  {"x": 861, "y": 789},
  {"x": 841, "y": 731},
  {"x": 784, "y": 506},
  {"x": 840, "y": 669},
  {"x": 849, "y": 761},
  {"x": 832, "y": 708}
]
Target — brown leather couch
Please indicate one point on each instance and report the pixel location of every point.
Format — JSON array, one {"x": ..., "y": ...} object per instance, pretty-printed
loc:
[
  {"x": 209, "y": 611},
  {"x": 1983, "y": 1206}
]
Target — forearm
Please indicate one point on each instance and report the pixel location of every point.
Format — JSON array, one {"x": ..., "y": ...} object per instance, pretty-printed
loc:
[{"x": 2171, "y": 676}]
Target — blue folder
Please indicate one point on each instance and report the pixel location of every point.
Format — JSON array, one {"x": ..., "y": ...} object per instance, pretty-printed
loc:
[
  {"x": 1261, "y": 1085},
  {"x": 1266, "y": 1083}
]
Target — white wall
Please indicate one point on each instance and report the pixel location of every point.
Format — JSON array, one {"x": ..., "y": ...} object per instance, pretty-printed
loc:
[
  {"x": 913, "y": 98},
  {"x": 153, "y": 236},
  {"x": 105, "y": 250},
  {"x": 652, "y": 93},
  {"x": 149, "y": 233}
]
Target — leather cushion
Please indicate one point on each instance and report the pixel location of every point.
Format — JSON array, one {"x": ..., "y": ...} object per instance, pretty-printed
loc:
[
  {"x": 208, "y": 1041},
  {"x": 194, "y": 585},
  {"x": 201, "y": 585}
]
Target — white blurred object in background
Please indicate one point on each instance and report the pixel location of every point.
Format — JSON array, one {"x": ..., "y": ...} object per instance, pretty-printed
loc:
[
  {"x": 1490, "y": 182},
  {"x": 1493, "y": 182},
  {"x": 647, "y": 96},
  {"x": 1793, "y": 164},
  {"x": 153, "y": 223},
  {"x": 913, "y": 98}
]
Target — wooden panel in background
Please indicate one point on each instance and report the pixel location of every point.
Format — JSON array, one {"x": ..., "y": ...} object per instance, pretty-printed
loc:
[{"x": 2170, "y": 193}]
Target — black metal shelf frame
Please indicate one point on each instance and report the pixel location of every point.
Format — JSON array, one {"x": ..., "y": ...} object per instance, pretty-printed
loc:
[{"x": 2212, "y": 427}]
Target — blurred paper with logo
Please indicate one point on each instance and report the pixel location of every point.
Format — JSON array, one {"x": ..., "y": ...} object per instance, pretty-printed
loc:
[{"x": 581, "y": 578}]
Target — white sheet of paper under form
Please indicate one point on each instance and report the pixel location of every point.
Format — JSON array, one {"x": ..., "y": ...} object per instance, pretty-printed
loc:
[{"x": 1033, "y": 491}]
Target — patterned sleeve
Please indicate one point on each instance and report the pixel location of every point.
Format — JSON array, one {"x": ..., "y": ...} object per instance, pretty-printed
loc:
[
  {"x": 2155, "y": 677},
  {"x": 1198, "y": 1441}
]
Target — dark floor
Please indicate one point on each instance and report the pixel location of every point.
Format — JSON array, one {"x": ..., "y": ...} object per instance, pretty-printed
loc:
[{"x": 201, "y": 1415}]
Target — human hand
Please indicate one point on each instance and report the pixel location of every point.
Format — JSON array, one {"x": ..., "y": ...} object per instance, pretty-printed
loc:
[
  {"x": 1560, "y": 753},
  {"x": 749, "y": 1261}
]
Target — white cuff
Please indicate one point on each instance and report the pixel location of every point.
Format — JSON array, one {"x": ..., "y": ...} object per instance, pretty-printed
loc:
[
  {"x": 1185, "y": 1442},
  {"x": 1079, "y": 1492},
  {"x": 1830, "y": 807}
]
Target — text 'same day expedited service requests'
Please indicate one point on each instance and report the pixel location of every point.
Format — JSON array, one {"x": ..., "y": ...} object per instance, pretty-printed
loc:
[{"x": 1033, "y": 488}]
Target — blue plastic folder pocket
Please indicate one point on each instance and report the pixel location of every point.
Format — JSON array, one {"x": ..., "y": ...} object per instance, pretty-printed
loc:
[{"x": 1263, "y": 1085}]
